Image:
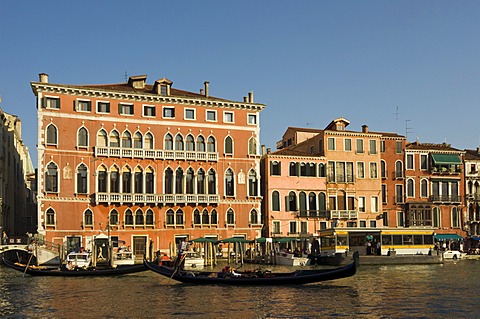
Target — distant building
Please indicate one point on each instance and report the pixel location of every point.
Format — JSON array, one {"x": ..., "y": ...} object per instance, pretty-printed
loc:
[
  {"x": 148, "y": 164},
  {"x": 434, "y": 188},
  {"x": 472, "y": 192},
  {"x": 17, "y": 216}
]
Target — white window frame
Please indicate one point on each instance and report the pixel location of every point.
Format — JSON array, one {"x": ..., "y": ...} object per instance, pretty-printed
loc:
[
  {"x": 362, "y": 204},
  {"x": 81, "y": 101},
  {"x": 149, "y": 107},
  {"x": 214, "y": 112},
  {"x": 122, "y": 109},
  {"x": 104, "y": 102},
  {"x": 345, "y": 144},
  {"x": 374, "y": 204},
  {"x": 50, "y": 97},
  {"x": 164, "y": 108},
  {"x": 252, "y": 119},
  {"x": 225, "y": 113},
  {"x": 188, "y": 118},
  {"x": 407, "y": 156}
]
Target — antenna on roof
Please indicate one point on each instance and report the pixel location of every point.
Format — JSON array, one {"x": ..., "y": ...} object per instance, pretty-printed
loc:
[
  {"x": 126, "y": 76},
  {"x": 396, "y": 118},
  {"x": 407, "y": 129}
]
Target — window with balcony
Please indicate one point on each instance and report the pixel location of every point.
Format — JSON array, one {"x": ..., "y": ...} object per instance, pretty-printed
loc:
[
  {"x": 102, "y": 138},
  {"x": 114, "y": 180},
  {"x": 399, "y": 194},
  {"x": 398, "y": 169},
  {"x": 137, "y": 140},
  {"x": 149, "y": 181},
  {"x": 189, "y": 143},
  {"x": 179, "y": 142},
  {"x": 293, "y": 227},
  {"x": 102, "y": 179},
  {"x": 200, "y": 144},
  {"x": 212, "y": 182},
  {"x": 179, "y": 176},
  {"x": 126, "y": 180},
  {"x": 114, "y": 139},
  {"x": 168, "y": 142},
  {"x": 149, "y": 145},
  {"x": 291, "y": 202},
  {"x": 138, "y": 180},
  {"x": 126, "y": 139},
  {"x": 211, "y": 144},
  {"x": 252, "y": 183},
  {"x": 201, "y": 181}
]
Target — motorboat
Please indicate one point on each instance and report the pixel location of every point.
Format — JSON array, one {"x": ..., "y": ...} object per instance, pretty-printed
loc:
[
  {"x": 193, "y": 260},
  {"x": 285, "y": 258}
]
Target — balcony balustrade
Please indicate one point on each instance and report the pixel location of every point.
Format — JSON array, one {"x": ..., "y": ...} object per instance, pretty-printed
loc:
[
  {"x": 343, "y": 214},
  {"x": 156, "y": 198},
  {"x": 314, "y": 213},
  {"x": 155, "y": 154},
  {"x": 445, "y": 199}
]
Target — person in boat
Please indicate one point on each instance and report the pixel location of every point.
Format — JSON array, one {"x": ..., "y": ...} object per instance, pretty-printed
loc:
[
  {"x": 164, "y": 260},
  {"x": 228, "y": 271}
]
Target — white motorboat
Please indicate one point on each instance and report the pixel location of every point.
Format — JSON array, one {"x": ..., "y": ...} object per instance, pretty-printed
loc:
[
  {"x": 193, "y": 260},
  {"x": 289, "y": 259},
  {"x": 78, "y": 260}
]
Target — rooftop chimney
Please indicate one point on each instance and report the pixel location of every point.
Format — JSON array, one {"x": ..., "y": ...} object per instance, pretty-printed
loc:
[
  {"x": 250, "y": 97},
  {"x": 43, "y": 77},
  {"x": 206, "y": 83},
  {"x": 364, "y": 128}
]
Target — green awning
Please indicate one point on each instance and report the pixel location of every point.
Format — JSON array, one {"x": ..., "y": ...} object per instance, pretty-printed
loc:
[
  {"x": 442, "y": 237},
  {"x": 234, "y": 240},
  {"x": 204, "y": 240},
  {"x": 446, "y": 159},
  {"x": 285, "y": 239}
]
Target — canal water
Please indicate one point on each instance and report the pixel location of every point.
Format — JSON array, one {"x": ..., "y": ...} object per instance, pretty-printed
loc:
[{"x": 450, "y": 290}]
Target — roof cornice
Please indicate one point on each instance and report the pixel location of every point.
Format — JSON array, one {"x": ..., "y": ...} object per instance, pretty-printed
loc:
[{"x": 142, "y": 97}]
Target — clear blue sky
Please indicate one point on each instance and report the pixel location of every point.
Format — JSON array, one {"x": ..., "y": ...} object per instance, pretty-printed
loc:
[{"x": 309, "y": 61}]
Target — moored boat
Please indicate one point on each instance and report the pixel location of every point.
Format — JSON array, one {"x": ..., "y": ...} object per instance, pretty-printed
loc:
[
  {"x": 63, "y": 271},
  {"x": 297, "y": 277},
  {"x": 289, "y": 259}
]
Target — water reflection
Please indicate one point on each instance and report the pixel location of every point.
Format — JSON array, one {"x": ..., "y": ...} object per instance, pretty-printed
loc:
[{"x": 428, "y": 291}]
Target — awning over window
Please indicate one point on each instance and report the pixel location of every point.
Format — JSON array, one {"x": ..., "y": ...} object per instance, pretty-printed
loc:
[
  {"x": 446, "y": 159},
  {"x": 442, "y": 237}
]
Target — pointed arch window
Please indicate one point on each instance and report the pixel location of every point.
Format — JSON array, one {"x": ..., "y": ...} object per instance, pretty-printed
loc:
[
  {"x": 128, "y": 217},
  {"x": 102, "y": 138},
  {"x": 170, "y": 217},
  {"x": 82, "y": 179},
  {"x": 149, "y": 220},
  {"x": 252, "y": 146},
  {"x": 137, "y": 140},
  {"x": 230, "y": 217},
  {"x": 88, "y": 218},
  {"x": 138, "y": 180},
  {"x": 205, "y": 218},
  {"x": 168, "y": 181},
  {"x": 214, "y": 217},
  {"x": 211, "y": 144},
  {"x": 254, "y": 217},
  {"x": 179, "y": 181},
  {"x": 50, "y": 217},
  {"x": 126, "y": 140},
  {"x": 212, "y": 182},
  {"x": 189, "y": 143},
  {"x": 114, "y": 180},
  {"x": 114, "y": 217},
  {"x": 201, "y": 181},
  {"x": 52, "y": 135},
  {"x": 139, "y": 218},
  {"x": 149, "y": 141},
  {"x": 149, "y": 181},
  {"x": 200, "y": 144},
  {"x": 189, "y": 181},
  {"x": 179, "y": 217},
  {"x": 126, "y": 180},
  {"x": 196, "y": 217},
  {"x": 114, "y": 139},
  {"x": 252, "y": 183},
  {"x": 228, "y": 145},
  {"x": 82, "y": 140},
  {"x": 168, "y": 142},
  {"x": 102, "y": 179},
  {"x": 229, "y": 183},
  {"x": 51, "y": 178},
  {"x": 179, "y": 142}
]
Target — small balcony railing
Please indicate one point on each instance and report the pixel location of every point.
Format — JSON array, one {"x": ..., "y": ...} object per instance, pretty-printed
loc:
[
  {"x": 314, "y": 213},
  {"x": 445, "y": 199},
  {"x": 156, "y": 198},
  {"x": 442, "y": 170},
  {"x": 155, "y": 154},
  {"x": 343, "y": 214}
]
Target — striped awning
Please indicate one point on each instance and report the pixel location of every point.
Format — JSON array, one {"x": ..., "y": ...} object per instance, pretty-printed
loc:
[{"x": 446, "y": 159}]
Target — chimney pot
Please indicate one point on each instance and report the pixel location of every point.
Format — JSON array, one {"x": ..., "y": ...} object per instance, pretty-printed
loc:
[
  {"x": 206, "y": 83},
  {"x": 250, "y": 97},
  {"x": 43, "y": 77},
  {"x": 245, "y": 99},
  {"x": 365, "y": 128}
]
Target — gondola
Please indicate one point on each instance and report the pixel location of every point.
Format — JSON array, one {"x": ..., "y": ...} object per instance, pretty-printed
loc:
[
  {"x": 297, "y": 277},
  {"x": 78, "y": 272}
]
